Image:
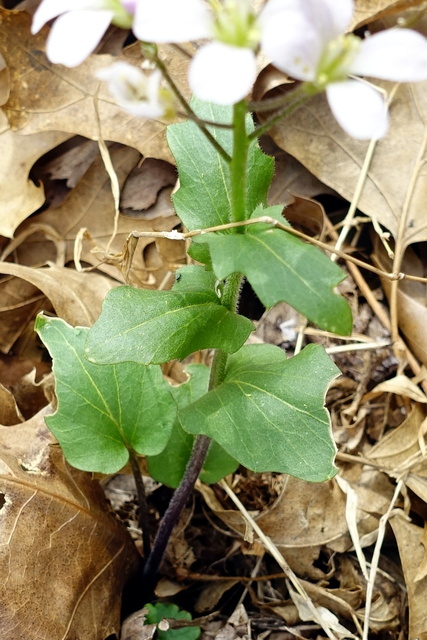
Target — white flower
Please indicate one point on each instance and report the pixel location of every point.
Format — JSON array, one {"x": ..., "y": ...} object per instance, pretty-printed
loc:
[
  {"x": 304, "y": 38},
  {"x": 138, "y": 93},
  {"x": 222, "y": 71},
  {"x": 79, "y": 26}
]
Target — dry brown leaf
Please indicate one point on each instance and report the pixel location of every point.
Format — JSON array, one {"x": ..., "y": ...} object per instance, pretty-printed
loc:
[
  {"x": 53, "y": 104},
  {"x": 20, "y": 301},
  {"x": 55, "y": 98},
  {"x": 64, "y": 557},
  {"x": 411, "y": 551},
  {"x": 90, "y": 206},
  {"x": 144, "y": 183},
  {"x": 366, "y": 11},
  {"x": 400, "y": 385},
  {"x": 19, "y": 196},
  {"x": 309, "y": 515},
  {"x": 399, "y": 445},
  {"x": 411, "y": 298},
  {"x": 313, "y": 136},
  {"x": 9, "y": 411},
  {"x": 75, "y": 296},
  {"x": 401, "y": 452}
]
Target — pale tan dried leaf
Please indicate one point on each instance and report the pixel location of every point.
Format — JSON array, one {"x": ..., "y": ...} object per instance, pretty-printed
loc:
[
  {"x": 133, "y": 627},
  {"x": 19, "y": 196},
  {"x": 411, "y": 551},
  {"x": 64, "y": 557},
  {"x": 368, "y": 10},
  {"x": 9, "y": 411},
  {"x": 411, "y": 298},
  {"x": 54, "y": 98},
  {"x": 399, "y": 445},
  {"x": 75, "y": 296},
  {"x": 90, "y": 206},
  {"x": 312, "y": 135},
  {"x": 400, "y": 385},
  {"x": 401, "y": 453},
  {"x": 309, "y": 515}
]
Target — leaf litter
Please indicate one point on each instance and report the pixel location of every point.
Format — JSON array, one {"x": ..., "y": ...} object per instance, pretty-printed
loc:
[{"x": 265, "y": 555}]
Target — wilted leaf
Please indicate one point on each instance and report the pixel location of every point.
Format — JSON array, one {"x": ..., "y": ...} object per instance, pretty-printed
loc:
[
  {"x": 103, "y": 411},
  {"x": 19, "y": 196},
  {"x": 75, "y": 296},
  {"x": 312, "y": 134},
  {"x": 64, "y": 557},
  {"x": 277, "y": 406},
  {"x": 157, "y": 326},
  {"x": 56, "y": 98},
  {"x": 411, "y": 551},
  {"x": 411, "y": 298}
]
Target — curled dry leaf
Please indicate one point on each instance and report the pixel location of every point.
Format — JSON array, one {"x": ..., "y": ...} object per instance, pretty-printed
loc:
[
  {"x": 75, "y": 296},
  {"x": 53, "y": 104},
  {"x": 411, "y": 298},
  {"x": 366, "y": 11},
  {"x": 412, "y": 555},
  {"x": 308, "y": 515},
  {"x": 311, "y": 134},
  {"x": 64, "y": 556},
  {"x": 401, "y": 451},
  {"x": 19, "y": 196},
  {"x": 90, "y": 206}
]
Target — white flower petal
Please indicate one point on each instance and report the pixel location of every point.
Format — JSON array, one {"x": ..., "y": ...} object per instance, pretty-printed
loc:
[
  {"x": 328, "y": 18},
  {"x": 399, "y": 55},
  {"x": 292, "y": 43},
  {"x": 359, "y": 109},
  {"x": 171, "y": 20},
  {"x": 332, "y": 17},
  {"x": 221, "y": 73},
  {"x": 49, "y": 9},
  {"x": 121, "y": 78},
  {"x": 75, "y": 35},
  {"x": 126, "y": 82}
]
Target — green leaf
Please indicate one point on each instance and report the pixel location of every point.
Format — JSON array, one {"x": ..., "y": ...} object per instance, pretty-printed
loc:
[
  {"x": 152, "y": 327},
  {"x": 160, "y": 611},
  {"x": 281, "y": 267},
  {"x": 104, "y": 410},
  {"x": 269, "y": 412},
  {"x": 203, "y": 199},
  {"x": 168, "y": 467}
]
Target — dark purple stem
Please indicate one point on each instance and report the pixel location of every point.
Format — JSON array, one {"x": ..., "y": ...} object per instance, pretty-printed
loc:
[{"x": 179, "y": 499}]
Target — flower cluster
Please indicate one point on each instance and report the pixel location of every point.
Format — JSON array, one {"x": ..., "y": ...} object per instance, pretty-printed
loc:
[{"x": 305, "y": 39}]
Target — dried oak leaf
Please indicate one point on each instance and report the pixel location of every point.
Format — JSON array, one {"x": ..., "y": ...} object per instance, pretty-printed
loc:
[
  {"x": 365, "y": 11},
  {"x": 313, "y": 136},
  {"x": 90, "y": 206},
  {"x": 46, "y": 104},
  {"x": 64, "y": 558}
]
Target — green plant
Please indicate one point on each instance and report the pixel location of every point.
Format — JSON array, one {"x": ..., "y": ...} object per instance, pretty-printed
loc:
[
  {"x": 253, "y": 406},
  {"x": 159, "y": 611}
]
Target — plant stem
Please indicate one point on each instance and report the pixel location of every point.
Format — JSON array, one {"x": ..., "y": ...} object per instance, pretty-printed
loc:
[
  {"x": 162, "y": 67},
  {"x": 238, "y": 164},
  {"x": 230, "y": 297},
  {"x": 301, "y": 94},
  {"x": 143, "y": 507},
  {"x": 194, "y": 466},
  {"x": 179, "y": 499}
]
